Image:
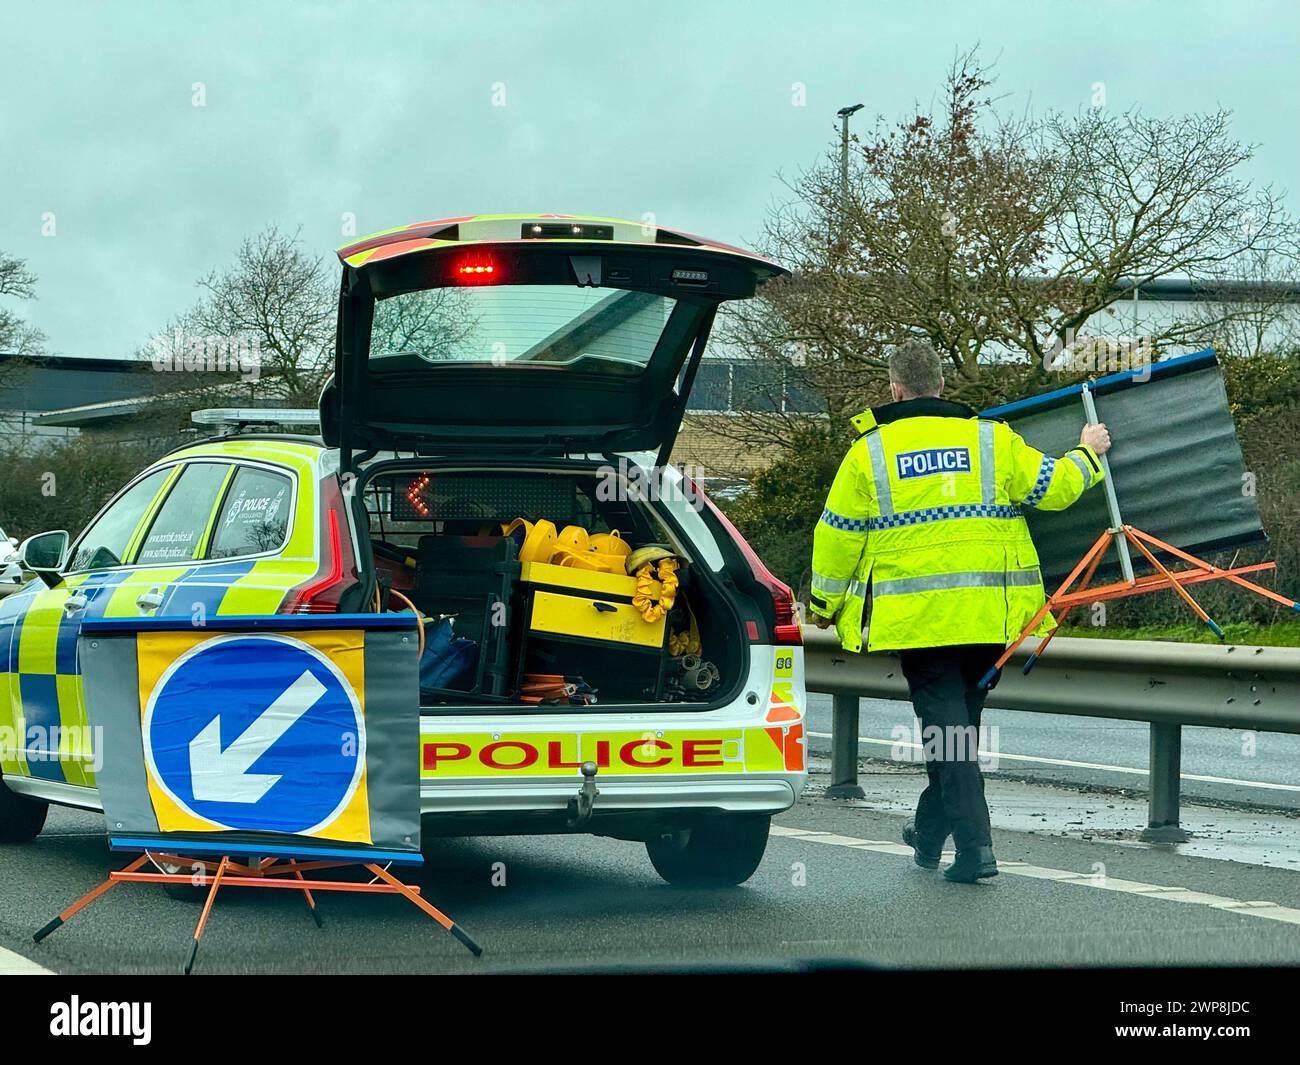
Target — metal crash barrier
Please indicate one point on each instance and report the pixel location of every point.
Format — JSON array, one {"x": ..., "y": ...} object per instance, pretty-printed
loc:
[{"x": 1168, "y": 685}]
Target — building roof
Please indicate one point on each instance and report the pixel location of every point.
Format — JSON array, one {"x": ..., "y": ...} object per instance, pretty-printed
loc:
[
  {"x": 93, "y": 413},
  {"x": 108, "y": 410},
  {"x": 50, "y": 382},
  {"x": 1184, "y": 290}
]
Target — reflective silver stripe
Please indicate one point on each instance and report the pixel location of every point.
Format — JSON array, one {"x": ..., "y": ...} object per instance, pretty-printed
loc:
[
  {"x": 880, "y": 474},
  {"x": 988, "y": 478},
  {"x": 1021, "y": 578},
  {"x": 1084, "y": 468},
  {"x": 858, "y": 589},
  {"x": 829, "y": 585}
]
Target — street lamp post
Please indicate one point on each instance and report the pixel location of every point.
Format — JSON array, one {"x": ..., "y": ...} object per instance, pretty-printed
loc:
[{"x": 845, "y": 114}]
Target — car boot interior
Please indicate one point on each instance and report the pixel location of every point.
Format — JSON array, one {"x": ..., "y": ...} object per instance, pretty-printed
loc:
[{"x": 547, "y": 590}]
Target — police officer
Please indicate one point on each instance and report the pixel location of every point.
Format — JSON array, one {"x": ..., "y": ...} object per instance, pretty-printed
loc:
[{"x": 924, "y": 517}]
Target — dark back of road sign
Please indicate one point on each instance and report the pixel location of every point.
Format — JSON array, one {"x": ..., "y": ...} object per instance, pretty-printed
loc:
[{"x": 1175, "y": 462}]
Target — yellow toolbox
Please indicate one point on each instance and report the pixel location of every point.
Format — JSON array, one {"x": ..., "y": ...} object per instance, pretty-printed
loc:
[
  {"x": 587, "y": 605},
  {"x": 593, "y": 619},
  {"x": 581, "y": 623}
]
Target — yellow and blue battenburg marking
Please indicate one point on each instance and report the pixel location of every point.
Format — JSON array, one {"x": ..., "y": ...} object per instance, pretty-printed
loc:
[
  {"x": 48, "y": 714},
  {"x": 13, "y": 742},
  {"x": 44, "y": 731}
]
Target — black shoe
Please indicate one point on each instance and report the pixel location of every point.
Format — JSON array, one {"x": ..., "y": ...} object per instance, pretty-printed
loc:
[
  {"x": 972, "y": 865},
  {"x": 923, "y": 859}
]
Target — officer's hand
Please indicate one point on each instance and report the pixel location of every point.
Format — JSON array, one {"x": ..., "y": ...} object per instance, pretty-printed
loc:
[
  {"x": 821, "y": 622},
  {"x": 1096, "y": 437}
]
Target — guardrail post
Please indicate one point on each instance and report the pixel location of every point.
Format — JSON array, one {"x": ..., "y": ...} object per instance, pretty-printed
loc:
[
  {"x": 1165, "y": 768},
  {"x": 844, "y": 749}
]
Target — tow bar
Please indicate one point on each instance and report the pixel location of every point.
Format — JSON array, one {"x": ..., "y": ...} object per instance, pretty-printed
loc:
[{"x": 580, "y": 806}]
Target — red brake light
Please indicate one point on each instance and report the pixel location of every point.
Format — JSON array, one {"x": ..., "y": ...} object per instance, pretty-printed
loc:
[
  {"x": 322, "y": 593},
  {"x": 786, "y": 628},
  {"x": 477, "y": 272}
]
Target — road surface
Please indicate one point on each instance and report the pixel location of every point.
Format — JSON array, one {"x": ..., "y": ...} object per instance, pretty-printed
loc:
[{"x": 834, "y": 886}]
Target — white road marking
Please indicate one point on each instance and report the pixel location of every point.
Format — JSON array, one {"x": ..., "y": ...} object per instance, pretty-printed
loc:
[
  {"x": 1041, "y": 760},
  {"x": 12, "y": 964},
  {"x": 1270, "y": 910}
]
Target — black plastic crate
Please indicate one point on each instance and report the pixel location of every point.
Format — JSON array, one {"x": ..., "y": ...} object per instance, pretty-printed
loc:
[{"x": 475, "y": 579}]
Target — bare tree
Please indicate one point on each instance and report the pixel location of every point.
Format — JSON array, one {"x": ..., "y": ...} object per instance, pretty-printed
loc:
[
  {"x": 278, "y": 303},
  {"x": 1001, "y": 238},
  {"x": 263, "y": 331},
  {"x": 1152, "y": 198},
  {"x": 431, "y": 323},
  {"x": 941, "y": 230},
  {"x": 17, "y": 336}
]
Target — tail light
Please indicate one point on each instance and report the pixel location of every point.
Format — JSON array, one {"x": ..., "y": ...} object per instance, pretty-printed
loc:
[
  {"x": 477, "y": 271},
  {"x": 337, "y": 572},
  {"x": 785, "y": 629}
]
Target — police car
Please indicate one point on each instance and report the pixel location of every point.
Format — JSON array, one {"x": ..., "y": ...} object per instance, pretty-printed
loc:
[
  {"x": 11, "y": 576},
  {"x": 492, "y": 454}
]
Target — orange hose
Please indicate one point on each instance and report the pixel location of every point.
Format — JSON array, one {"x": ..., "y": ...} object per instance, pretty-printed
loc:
[{"x": 394, "y": 591}]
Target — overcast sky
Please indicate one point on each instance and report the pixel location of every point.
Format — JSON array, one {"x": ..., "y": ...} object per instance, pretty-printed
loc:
[{"x": 392, "y": 113}]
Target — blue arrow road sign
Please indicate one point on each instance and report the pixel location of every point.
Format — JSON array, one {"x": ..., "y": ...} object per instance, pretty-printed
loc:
[{"x": 256, "y": 732}]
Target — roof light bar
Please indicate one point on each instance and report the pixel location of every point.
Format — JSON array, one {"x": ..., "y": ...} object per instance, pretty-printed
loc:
[{"x": 237, "y": 417}]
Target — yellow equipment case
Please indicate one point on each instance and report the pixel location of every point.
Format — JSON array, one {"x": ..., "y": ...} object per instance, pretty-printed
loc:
[{"x": 575, "y": 618}]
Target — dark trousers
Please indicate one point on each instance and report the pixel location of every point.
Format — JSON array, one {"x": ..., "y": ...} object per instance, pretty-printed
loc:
[{"x": 942, "y": 682}]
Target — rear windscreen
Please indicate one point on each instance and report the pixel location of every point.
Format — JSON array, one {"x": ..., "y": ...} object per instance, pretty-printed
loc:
[{"x": 613, "y": 329}]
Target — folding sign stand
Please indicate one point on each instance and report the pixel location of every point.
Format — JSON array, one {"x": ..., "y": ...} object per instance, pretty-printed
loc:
[
  {"x": 263, "y": 873},
  {"x": 1122, "y": 536}
]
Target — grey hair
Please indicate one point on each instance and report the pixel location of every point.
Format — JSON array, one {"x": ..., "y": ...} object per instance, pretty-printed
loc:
[{"x": 916, "y": 368}]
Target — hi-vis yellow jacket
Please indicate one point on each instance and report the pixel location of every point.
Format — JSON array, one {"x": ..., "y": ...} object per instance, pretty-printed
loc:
[{"x": 925, "y": 516}]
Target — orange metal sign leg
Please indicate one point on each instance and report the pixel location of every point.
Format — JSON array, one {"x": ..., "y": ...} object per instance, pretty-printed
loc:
[
  {"x": 446, "y": 922},
  {"x": 1095, "y": 552},
  {"x": 86, "y": 900},
  {"x": 1183, "y": 592},
  {"x": 1066, "y": 600},
  {"x": 207, "y": 909},
  {"x": 1227, "y": 575},
  {"x": 285, "y": 874}
]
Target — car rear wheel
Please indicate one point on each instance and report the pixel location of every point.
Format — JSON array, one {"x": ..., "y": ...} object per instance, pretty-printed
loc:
[
  {"x": 180, "y": 892},
  {"x": 185, "y": 893},
  {"x": 717, "y": 852},
  {"x": 21, "y": 818}
]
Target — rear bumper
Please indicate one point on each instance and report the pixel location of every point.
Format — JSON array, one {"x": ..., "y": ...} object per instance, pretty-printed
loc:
[
  {"x": 645, "y": 795},
  {"x": 648, "y": 795}
]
